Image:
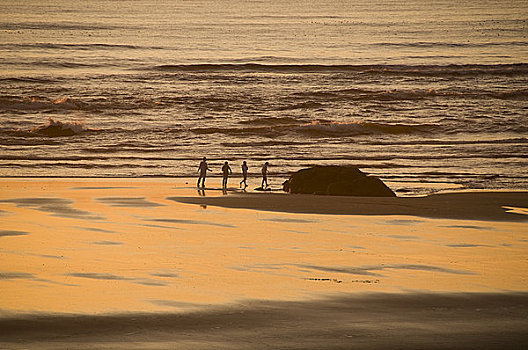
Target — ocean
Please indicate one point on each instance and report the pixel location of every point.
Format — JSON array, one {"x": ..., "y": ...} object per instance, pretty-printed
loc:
[{"x": 426, "y": 95}]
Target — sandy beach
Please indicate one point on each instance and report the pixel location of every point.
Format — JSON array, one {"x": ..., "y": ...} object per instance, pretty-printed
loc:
[
  {"x": 110, "y": 110},
  {"x": 150, "y": 263}
]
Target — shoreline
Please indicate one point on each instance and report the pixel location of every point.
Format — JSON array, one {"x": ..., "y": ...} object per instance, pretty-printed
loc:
[
  {"x": 420, "y": 189},
  {"x": 482, "y": 204}
]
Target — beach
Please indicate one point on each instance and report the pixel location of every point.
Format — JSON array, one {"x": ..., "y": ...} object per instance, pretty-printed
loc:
[
  {"x": 107, "y": 109},
  {"x": 150, "y": 263}
]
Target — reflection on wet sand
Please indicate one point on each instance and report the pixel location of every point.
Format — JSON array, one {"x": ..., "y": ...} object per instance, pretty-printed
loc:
[
  {"x": 139, "y": 202},
  {"x": 7, "y": 233},
  {"x": 57, "y": 206}
]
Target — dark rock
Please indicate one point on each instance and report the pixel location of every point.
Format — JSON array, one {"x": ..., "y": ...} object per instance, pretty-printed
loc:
[{"x": 336, "y": 181}]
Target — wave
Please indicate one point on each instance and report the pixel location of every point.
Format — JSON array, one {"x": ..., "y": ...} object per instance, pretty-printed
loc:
[
  {"x": 57, "y": 128},
  {"x": 307, "y": 100},
  {"x": 30, "y": 137},
  {"x": 55, "y": 63},
  {"x": 406, "y": 95},
  {"x": 398, "y": 160},
  {"x": 263, "y": 144},
  {"x": 31, "y": 80},
  {"x": 520, "y": 94},
  {"x": 273, "y": 121},
  {"x": 32, "y": 103},
  {"x": 440, "y": 142},
  {"x": 60, "y": 26},
  {"x": 302, "y": 105},
  {"x": 320, "y": 129},
  {"x": 360, "y": 128},
  {"x": 429, "y": 44},
  {"x": 80, "y": 46},
  {"x": 39, "y": 103},
  {"x": 440, "y": 70}
]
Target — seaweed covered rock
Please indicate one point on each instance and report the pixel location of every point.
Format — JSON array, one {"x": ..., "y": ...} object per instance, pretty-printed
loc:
[{"x": 336, "y": 181}]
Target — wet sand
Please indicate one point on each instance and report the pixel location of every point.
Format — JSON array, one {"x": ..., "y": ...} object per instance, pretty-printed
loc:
[
  {"x": 379, "y": 321},
  {"x": 494, "y": 206},
  {"x": 124, "y": 264}
]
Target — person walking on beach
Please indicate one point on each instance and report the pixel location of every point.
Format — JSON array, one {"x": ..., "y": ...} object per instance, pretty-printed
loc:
[
  {"x": 265, "y": 175},
  {"x": 202, "y": 169},
  {"x": 226, "y": 171},
  {"x": 244, "y": 174}
]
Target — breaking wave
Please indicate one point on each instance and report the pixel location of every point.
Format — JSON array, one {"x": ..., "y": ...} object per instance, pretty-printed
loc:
[
  {"x": 57, "y": 128},
  {"x": 32, "y": 136}
]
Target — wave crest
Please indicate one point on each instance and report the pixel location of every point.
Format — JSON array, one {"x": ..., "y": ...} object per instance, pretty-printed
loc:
[
  {"x": 405, "y": 70},
  {"x": 358, "y": 128},
  {"x": 30, "y": 103},
  {"x": 58, "y": 128},
  {"x": 319, "y": 129}
]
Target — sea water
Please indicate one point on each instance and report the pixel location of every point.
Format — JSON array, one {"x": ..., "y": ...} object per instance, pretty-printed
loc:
[{"x": 416, "y": 92}]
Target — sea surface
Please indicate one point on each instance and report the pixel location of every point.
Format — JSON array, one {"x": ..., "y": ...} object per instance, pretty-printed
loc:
[{"x": 424, "y": 94}]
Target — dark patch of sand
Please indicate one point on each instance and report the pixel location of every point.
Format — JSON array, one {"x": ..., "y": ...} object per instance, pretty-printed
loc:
[
  {"x": 466, "y": 245},
  {"x": 107, "y": 243},
  {"x": 192, "y": 222},
  {"x": 462, "y": 206},
  {"x": 95, "y": 229},
  {"x": 375, "y": 321},
  {"x": 127, "y": 202},
  {"x": 101, "y": 188},
  {"x": 7, "y": 233},
  {"x": 56, "y": 206},
  {"x": 8, "y": 275},
  {"x": 112, "y": 277}
]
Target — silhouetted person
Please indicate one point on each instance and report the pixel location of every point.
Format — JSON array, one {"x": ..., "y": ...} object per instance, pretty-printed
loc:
[
  {"x": 244, "y": 174},
  {"x": 265, "y": 175},
  {"x": 202, "y": 169},
  {"x": 226, "y": 171}
]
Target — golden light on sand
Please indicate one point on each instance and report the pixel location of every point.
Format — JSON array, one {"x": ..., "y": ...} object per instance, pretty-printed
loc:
[{"x": 90, "y": 246}]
